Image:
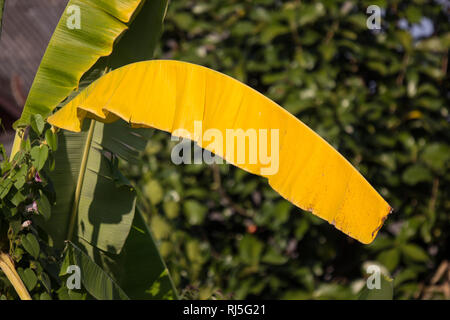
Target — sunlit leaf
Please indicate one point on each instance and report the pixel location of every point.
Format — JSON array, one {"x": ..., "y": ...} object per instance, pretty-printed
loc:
[{"x": 306, "y": 170}]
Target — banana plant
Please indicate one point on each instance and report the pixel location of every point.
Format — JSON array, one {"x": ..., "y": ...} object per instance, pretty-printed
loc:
[
  {"x": 95, "y": 220},
  {"x": 111, "y": 34}
]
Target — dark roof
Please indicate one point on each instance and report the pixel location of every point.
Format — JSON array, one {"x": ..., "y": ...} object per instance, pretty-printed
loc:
[{"x": 27, "y": 28}]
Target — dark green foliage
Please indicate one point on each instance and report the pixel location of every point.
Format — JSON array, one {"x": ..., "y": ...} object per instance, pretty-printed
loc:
[
  {"x": 26, "y": 196},
  {"x": 380, "y": 97}
]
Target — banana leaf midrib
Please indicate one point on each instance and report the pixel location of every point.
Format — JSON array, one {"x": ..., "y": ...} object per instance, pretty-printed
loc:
[{"x": 80, "y": 181}]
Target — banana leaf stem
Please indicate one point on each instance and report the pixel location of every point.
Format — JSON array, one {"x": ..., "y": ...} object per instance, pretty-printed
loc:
[
  {"x": 8, "y": 268},
  {"x": 80, "y": 180}
]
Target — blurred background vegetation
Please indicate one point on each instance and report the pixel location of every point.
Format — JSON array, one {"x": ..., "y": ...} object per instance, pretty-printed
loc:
[{"x": 381, "y": 97}]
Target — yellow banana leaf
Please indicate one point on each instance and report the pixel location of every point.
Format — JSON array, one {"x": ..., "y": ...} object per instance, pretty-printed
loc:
[{"x": 172, "y": 95}]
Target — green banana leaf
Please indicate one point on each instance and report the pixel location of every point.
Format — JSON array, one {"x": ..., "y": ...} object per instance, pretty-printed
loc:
[
  {"x": 73, "y": 51},
  {"x": 94, "y": 279},
  {"x": 141, "y": 257},
  {"x": 144, "y": 33},
  {"x": 87, "y": 162},
  {"x": 139, "y": 42},
  {"x": 139, "y": 268},
  {"x": 107, "y": 225}
]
